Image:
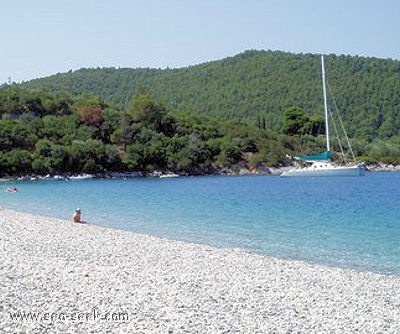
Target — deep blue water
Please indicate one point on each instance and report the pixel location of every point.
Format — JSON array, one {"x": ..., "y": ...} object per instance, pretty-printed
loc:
[{"x": 343, "y": 222}]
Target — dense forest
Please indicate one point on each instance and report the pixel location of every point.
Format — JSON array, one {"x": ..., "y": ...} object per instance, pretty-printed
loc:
[
  {"x": 253, "y": 109},
  {"x": 255, "y": 84},
  {"x": 57, "y": 134}
]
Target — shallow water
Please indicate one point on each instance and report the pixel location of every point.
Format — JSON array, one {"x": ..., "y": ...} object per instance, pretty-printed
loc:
[{"x": 343, "y": 222}]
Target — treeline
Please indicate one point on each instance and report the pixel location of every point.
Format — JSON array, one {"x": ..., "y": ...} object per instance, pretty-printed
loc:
[
  {"x": 55, "y": 133},
  {"x": 256, "y": 85},
  {"x": 45, "y": 133}
]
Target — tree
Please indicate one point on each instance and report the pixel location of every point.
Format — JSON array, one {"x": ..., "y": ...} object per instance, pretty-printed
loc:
[
  {"x": 112, "y": 159},
  {"x": 134, "y": 157},
  {"x": 270, "y": 152},
  {"x": 387, "y": 151},
  {"x": 315, "y": 125},
  {"x": 175, "y": 153},
  {"x": 54, "y": 128},
  {"x": 87, "y": 156},
  {"x": 294, "y": 121},
  {"x": 6, "y": 135},
  {"x": 59, "y": 104},
  {"x": 16, "y": 161},
  {"x": 297, "y": 122},
  {"x": 230, "y": 152},
  {"x": 142, "y": 109},
  {"x": 92, "y": 116},
  {"x": 49, "y": 157}
]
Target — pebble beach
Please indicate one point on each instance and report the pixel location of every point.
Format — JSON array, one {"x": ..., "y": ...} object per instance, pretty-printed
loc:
[{"x": 59, "y": 277}]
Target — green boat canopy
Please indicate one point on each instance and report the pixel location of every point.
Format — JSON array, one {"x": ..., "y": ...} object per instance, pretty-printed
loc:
[{"x": 327, "y": 155}]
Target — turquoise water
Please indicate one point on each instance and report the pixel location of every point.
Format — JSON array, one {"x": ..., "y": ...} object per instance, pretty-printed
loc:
[{"x": 343, "y": 222}]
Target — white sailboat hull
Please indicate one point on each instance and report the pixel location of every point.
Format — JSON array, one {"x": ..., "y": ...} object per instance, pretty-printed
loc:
[{"x": 325, "y": 171}]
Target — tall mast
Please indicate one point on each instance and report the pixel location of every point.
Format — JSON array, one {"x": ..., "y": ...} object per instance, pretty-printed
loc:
[{"x": 328, "y": 145}]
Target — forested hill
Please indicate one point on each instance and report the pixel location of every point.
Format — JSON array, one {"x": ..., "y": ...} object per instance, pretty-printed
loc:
[{"x": 254, "y": 85}]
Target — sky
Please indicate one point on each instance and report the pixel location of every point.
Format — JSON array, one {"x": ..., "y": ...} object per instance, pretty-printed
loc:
[{"x": 44, "y": 37}]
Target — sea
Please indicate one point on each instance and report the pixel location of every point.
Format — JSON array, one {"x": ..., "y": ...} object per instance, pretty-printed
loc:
[{"x": 347, "y": 222}]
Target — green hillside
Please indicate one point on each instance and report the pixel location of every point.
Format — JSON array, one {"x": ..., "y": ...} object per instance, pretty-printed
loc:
[
  {"x": 254, "y": 109},
  {"x": 255, "y": 84}
]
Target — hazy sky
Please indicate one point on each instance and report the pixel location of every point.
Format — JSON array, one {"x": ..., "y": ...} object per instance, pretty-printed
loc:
[{"x": 43, "y": 37}]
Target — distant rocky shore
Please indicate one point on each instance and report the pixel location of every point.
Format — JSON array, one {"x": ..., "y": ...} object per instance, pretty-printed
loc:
[
  {"x": 260, "y": 170},
  {"x": 381, "y": 167}
]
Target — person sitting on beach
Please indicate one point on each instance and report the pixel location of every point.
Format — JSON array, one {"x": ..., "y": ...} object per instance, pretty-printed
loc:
[{"x": 76, "y": 217}]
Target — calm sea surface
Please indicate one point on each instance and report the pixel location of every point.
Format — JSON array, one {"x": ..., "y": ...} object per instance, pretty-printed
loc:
[{"x": 343, "y": 222}]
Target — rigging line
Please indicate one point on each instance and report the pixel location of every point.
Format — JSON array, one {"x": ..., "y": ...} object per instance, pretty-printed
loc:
[
  {"x": 341, "y": 124},
  {"x": 337, "y": 136}
]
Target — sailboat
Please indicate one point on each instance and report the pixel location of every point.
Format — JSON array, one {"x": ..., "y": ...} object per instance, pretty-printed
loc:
[{"x": 321, "y": 164}]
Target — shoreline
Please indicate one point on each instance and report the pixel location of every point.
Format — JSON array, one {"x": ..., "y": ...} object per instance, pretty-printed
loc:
[
  {"x": 354, "y": 269},
  {"x": 52, "y": 265},
  {"x": 226, "y": 171}
]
